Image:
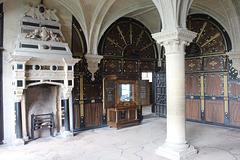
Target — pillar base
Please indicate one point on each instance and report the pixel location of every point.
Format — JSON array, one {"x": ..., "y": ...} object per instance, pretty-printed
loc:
[
  {"x": 19, "y": 142},
  {"x": 67, "y": 134},
  {"x": 176, "y": 154}
]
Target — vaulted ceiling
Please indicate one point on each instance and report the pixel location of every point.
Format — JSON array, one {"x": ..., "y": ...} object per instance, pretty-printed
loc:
[{"x": 95, "y": 16}]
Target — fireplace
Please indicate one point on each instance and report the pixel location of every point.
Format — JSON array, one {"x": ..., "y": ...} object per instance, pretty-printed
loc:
[
  {"x": 42, "y": 72},
  {"x": 40, "y": 100}
]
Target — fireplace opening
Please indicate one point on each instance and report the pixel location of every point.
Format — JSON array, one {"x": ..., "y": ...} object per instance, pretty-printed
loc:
[{"x": 40, "y": 100}]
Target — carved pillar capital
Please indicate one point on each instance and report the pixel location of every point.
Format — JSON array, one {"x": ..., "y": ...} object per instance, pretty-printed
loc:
[
  {"x": 93, "y": 61},
  {"x": 174, "y": 40}
]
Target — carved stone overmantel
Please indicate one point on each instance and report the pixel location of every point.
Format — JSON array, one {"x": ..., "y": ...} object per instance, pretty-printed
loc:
[
  {"x": 93, "y": 61},
  {"x": 235, "y": 57}
]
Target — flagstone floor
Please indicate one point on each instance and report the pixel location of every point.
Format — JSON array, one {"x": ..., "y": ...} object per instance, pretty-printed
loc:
[{"x": 129, "y": 143}]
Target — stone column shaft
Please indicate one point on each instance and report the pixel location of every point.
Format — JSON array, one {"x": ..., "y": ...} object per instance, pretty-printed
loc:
[
  {"x": 174, "y": 41},
  {"x": 175, "y": 72}
]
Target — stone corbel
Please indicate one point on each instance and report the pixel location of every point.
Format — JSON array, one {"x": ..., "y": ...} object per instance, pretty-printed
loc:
[
  {"x": 93, "y": 61},
  {"x": 235, "y": 57}
]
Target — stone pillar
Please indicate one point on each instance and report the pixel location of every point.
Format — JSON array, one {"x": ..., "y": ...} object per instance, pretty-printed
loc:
[
  {"x": 174, "y": 41},
  {"x": 18, "y": 125}
]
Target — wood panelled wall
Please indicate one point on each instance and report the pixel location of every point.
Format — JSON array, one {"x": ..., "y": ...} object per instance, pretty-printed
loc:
[
  {"x": 86, "y": 94},
  {"x": 127, "y": 48},
  {"x": 212, "y": 87}
]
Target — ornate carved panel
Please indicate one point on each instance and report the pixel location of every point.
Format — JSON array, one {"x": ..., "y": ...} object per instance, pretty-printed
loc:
[
  {"x": 193, "y": 64},
  {"x": 212, "y": 37},
  {"x": 214, "y": 111},
  {"x": 127, "y": 39},
  {"x": 130, "y": 66},
  {"x": 214, "y": 85},
  {"x": 234, "y": 108},
  {"x": 213, "y": 63},
  {"x": 193, "y": 109},
  {"x": 193, "y": 85},
  {"x": 112, "y": 66}
]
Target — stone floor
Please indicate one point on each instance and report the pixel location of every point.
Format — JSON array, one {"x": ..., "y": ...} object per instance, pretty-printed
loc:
[{"x": 130, "y": 143}]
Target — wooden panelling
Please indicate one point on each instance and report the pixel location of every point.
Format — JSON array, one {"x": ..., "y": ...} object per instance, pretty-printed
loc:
[
  {"x": 234, "y": 89},
  {"x": 213, "y": 63},
  {"x": 193, "y": 86},
  {"x": 234, "y": 113},
  {"x": 130, "y": 66},
  {"x": 193, "y": 65},
  {"x": 77, "y": 118},
  {"x": 193, "y": 109},
  {"x": 93, "y": 114},
  {"x": 92, "y": 91},
  {"x": 112, "y": 66},
  {"x": 214, "y": 111},
  {"x": 147, "y": 66},
  {"x": 214, "y": 85}
]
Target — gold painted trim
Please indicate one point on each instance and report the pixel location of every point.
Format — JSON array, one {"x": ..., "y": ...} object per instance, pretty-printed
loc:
[
  {"x": 104, "y": 108},
  {"x": 119, "y": 30},
  {"x": 202, "y": 93},
  {"x": 146, "y": 46},
  {"x": 208, "y": 41},
  {"x": 81, "y": 95},
  {"x": 226, "y": 92},
  {"x": 139, "y": 38},
  {"x": 109, "y": 39},
  {"x": 202, "y": 29}
]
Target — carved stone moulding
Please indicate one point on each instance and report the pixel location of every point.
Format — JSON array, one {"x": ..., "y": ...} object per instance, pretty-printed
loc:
[{"x": 93, "y": 61}]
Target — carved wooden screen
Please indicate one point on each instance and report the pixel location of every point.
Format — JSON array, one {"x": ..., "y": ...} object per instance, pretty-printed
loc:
[
  {"x": 128, "y": 48},
  {"x": 206, "y": 71}
]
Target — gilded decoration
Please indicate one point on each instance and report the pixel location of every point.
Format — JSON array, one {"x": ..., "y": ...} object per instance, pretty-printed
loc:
[{"x": 127, "y": 39}]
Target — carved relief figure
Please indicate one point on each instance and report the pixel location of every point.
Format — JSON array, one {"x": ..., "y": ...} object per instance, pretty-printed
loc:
[{"x": 43, "y": 35}]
